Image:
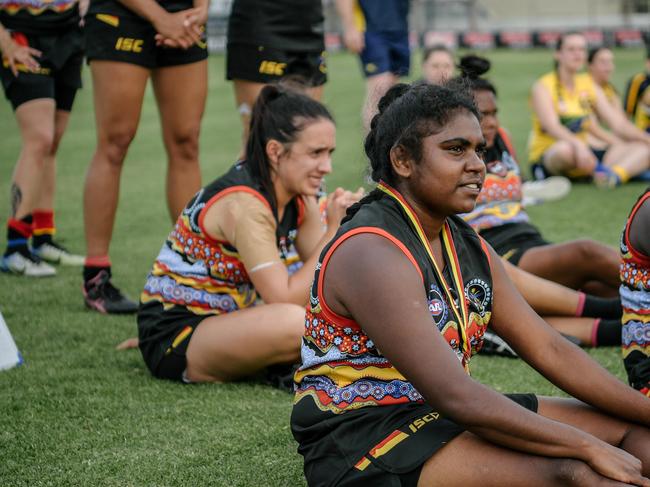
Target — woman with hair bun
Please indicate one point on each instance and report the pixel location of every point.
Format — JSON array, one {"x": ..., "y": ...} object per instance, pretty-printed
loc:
[
  {"x": 501, "y": 220},
  {"x": 399, "y": 303},
  {"x": 198, "y": 319}
]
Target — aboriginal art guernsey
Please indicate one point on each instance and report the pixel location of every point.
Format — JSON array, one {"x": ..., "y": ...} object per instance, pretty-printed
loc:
[
  {"x": 499, "y": 202},
  {"x": 635, "y": 297},
  {"x": 38, "y": 16},
  {"x": 204, "y": 275},
  {"x": 342, "y": 370}
]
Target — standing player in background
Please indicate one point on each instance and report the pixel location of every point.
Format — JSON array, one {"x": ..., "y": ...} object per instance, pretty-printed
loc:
[
  {"x": 377, "y": 30},
  {"x": 42, "y": 53},
  {"x": 129, "y": 41},
  {"x": 635, "y": 294},
  {"x": 637, "y": 97},
  {"x": 269, "y": 41}
]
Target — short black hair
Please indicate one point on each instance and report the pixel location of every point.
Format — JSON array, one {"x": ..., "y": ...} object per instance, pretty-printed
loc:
[{"x": 407, "y": 114}]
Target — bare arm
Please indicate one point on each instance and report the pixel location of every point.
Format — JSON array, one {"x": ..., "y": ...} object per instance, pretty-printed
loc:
[
  {"x": 598, "y": 131},
  {"x": 178, "y": 28},
  {"x": 617, "y": 120},
  {"x": 251, "y": 230},
  {"x": 564, "y": 364},
  {"x": 352, "y": 37},
  {"x": 397, "y": 319},
  {"x": 542, "y": 103}
]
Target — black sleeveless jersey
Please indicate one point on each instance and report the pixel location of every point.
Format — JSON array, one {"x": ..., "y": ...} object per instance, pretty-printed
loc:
[
  {"x": 290, "y": 25},
  {"x": 459, "y": 299},
  {"x": 204, "y": 275}
]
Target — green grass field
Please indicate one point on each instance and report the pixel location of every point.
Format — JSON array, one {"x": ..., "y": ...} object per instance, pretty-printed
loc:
[{"x": 80, "y": 413}]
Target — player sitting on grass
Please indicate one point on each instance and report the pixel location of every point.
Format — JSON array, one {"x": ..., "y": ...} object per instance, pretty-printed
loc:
[{"x": 384, "y": 395}]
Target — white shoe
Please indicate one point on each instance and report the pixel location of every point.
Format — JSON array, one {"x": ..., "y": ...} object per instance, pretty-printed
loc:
[
  {"x": 493, "y": 344},
  {"x": 53, "y": 252},
  {"x": 549, "y": 189},
  {"x": 17, "y": 263}
]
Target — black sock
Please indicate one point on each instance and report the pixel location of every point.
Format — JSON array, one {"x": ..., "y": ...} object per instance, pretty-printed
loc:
[
  {"x": 609, "y": 333},
  {"x": 17, "y": 241},
  {"x": 38, "y": 240},
  {"x": 91, "y": 271},
  {"x": 595, "y": 307}
]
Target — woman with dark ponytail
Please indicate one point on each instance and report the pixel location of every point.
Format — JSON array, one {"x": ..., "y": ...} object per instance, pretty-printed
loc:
[
  {"x": 501, "y": 220},
  {"x": 199, "y": 320},
  {"x": 400, "y": 300}
]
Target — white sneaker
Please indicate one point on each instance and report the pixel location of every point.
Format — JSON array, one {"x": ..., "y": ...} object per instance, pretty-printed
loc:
[
  {"x": 549, "y": 189},
  {"x": 53, "y": 252},
  {"x": 17, "y": 263}
]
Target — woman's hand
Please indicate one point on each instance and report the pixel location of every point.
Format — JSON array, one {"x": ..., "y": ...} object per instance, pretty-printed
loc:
[
  {"x": 585, "y": 159},
  {"x": 128, "y": 344},
  {"x": 616, "y": 464},
  {"x": 180, "y": 29},
  {"x": 83, "y": 10},
  {"x": 16, "y": 54},
  {"x": 337, "y": 203},
  {"x": 354, "y": 40}
]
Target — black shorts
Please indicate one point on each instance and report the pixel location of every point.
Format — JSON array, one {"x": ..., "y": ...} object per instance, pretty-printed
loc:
[
  {"x": 400, "y": 446},
  {"x": 129, "y": 40},
  {"x": 59, "y": 76},
  {"x": 163, "y": 338},
  {"x": 263, "y": 64},
  {"x": 512, "y": 240}
]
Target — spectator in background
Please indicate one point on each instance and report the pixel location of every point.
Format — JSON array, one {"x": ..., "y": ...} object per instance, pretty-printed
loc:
[
  {"x": 268, "y": 41},
  {"x": 129, "y": 41},
  {"x": 377, "y": 30},
  {"x": 637, "y": 97},
  {"x": 438, "y": 64},
  {"x": 499, "y": 218},
  {"x": 563, "y": 102}
]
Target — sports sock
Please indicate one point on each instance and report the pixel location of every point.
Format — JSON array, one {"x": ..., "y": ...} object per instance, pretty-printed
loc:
[
  {"x": 94, "y": 265},
  {"x": 43, "y": 228},
  {"x": 606, "y": 333},
  {"x": 622, "y": 174},
  {"x": 18, "y": 233},
  {"x": 596, "y": 307}
]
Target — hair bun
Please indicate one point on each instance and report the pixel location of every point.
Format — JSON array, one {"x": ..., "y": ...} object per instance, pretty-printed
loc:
[
  {"x": 391, "y": 95},
  {"x": 474, "y": 66}
]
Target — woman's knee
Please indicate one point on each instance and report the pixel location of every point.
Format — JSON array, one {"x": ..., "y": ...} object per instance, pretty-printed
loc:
[
  {"x": 560, "y": 157},
  {"x": 40, "y": 144},
  {"x": 574, "y": 473},
  {"x": 592, "y": 253},
  {"x": 115, "y": 144},
  {"x": 184, "y": 145}
]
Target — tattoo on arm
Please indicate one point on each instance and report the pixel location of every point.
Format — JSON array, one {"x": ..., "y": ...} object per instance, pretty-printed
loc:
[{"x": 16, "y": 199}]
